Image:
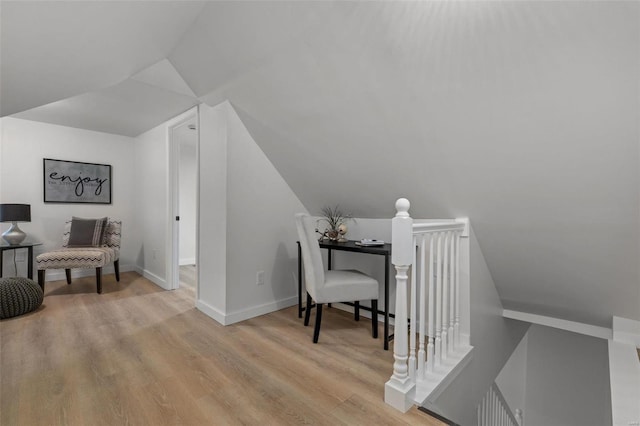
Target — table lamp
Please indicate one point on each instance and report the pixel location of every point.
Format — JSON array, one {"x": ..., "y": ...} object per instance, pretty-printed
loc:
[{"x": 15, "y": 213}]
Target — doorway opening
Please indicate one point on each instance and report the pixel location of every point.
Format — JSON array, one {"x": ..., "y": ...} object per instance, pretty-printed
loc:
[{"x": 183, "y": 270}]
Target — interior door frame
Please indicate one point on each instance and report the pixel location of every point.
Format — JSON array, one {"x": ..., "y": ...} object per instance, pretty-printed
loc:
[{"x": 173, "y": 199}]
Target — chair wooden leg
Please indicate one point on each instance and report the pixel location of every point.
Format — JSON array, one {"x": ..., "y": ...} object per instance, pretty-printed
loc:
[
  {"x": 67, "y": 272},
  {"x": 99, "y": 279},
  {"x": 356, "y": 310},
  {"x": 307, "y": 312},
  {"x": 374, "y": 318},
  {"x": 41, "y": 279},
  {"x": 116, "y": 266},
  {"x": 316, "y": 330}
]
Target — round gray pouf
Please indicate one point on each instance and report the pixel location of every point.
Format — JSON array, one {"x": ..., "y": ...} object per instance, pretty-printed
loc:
[{"x": 19, "y": 295}]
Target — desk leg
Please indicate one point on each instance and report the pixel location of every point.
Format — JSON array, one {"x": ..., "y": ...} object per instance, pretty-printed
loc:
[
  {"x": 1, "y": 261},
  {"x": 329, "y": 267},
  {"x": 386, "y": 302},
  {"x": 30, "y": 263},
  {"x": 299, "y": 281}
]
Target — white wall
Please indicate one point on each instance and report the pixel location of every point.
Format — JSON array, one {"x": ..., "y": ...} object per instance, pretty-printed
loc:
[
  {"x": 151, "y": 176},
  {"x": 493, "y": 337},
  {"x": 212, "y": 253},
  {"x": 512, "y": 379},
  {"x": 152, "y": 200},
  {"x": 261, "y": 233},
  {"x": 25, "y": 143},
  {"x": 246, "y": 223},
  {"x": 567, "y": 379},
  {"x": 188, "y": 193},
  {"x": 624, "y": 371}
]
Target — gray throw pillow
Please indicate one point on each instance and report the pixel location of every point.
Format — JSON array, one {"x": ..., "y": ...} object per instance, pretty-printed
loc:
[{"x": 87, "y": 232}]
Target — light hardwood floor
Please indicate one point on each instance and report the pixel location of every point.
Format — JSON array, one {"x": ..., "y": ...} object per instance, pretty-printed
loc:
[
  {"x": 143, "y": 356},
  {"x": 188, "y": 276}
]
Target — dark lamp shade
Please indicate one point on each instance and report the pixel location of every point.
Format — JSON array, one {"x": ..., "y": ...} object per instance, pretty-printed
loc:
[{"x": 15, "y": 212}]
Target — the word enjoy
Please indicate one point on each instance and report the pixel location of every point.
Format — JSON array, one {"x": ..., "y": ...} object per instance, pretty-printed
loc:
[{"x": 80, "y": 182}]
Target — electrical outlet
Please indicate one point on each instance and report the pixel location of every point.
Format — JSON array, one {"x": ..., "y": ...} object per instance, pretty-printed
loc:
[{"x": 260, "y": 278}]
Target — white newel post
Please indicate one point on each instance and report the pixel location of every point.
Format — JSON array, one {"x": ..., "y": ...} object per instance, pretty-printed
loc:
[
  {"x": 519, "y": 416},
  {"x": 400, "y": 387}
]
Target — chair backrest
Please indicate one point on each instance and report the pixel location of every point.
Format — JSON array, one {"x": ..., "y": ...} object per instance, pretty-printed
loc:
[
  {"x": 111, "y": 237},
  {"x": 313, "y": 266},
  {"x": 112, "y": 234}
]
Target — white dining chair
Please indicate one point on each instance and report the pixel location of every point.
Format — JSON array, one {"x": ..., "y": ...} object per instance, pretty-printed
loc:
[{"x": 331, "y": 286}]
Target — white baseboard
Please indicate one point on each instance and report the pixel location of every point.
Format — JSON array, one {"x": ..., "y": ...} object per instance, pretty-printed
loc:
[
  {"x": 256, "y": 311},
  {"x": 187, "y": 261},
  {"x": 245, "y": 314},
  {"x": 161, "y": 282},
  {"x": 210, "y": 311}
]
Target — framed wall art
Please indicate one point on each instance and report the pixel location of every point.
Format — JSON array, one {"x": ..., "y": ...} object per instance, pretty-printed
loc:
[{"x": 76, "y": 182}]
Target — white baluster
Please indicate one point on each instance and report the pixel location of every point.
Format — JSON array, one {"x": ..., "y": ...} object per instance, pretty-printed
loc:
[
  {"x": 432, "y": 312},
  {"x": 438, "y": 302},
  {"x": 412, "y": 321},
  {"x": 495, "y": 405},
  {"x": 452, "y": 291},
  {"x": 485, "y": 402},
  {"x": 456, "y": 326},
  {"x": 445, "y": 298},
  {"x": 492, "y": 407},
  {"x": 422, "y": 314}
]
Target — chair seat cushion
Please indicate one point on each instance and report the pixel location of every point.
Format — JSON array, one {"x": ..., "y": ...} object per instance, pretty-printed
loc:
[
  {"x": 80, "y": 257},
  {"x": 347, "y": 285},
  {"x": 18, "y": 295}
]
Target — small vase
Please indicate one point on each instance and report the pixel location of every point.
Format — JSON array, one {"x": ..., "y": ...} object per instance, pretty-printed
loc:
[{"x": 342, "y": 231}]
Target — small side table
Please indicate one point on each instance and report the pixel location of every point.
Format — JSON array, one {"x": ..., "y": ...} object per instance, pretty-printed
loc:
[{"x": 25, "y": 244}]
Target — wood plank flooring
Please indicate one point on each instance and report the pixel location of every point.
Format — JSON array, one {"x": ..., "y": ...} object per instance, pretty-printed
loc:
[
  {"x": 138, "y": 355},
  {"x": 188, "y": 276}
]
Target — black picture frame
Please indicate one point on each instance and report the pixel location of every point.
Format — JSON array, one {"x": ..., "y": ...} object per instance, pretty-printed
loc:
[{"x": 76, "y": 182}]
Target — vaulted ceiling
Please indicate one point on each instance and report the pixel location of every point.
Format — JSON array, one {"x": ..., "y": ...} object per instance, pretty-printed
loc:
[{"x": 523, "y": 116}]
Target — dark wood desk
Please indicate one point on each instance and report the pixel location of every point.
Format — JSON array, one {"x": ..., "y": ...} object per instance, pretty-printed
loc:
[
  {"x": 25, "y": 244},
  {"x": 384, "y": 250}
]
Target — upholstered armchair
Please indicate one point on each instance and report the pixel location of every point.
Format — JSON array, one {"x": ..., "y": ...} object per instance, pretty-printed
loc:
[{"x": 86, "y": 243}]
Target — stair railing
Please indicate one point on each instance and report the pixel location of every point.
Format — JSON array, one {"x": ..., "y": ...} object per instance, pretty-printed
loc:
[
  {"x": 426, "y": 256},
  {"x": 494, "y": 411}
]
